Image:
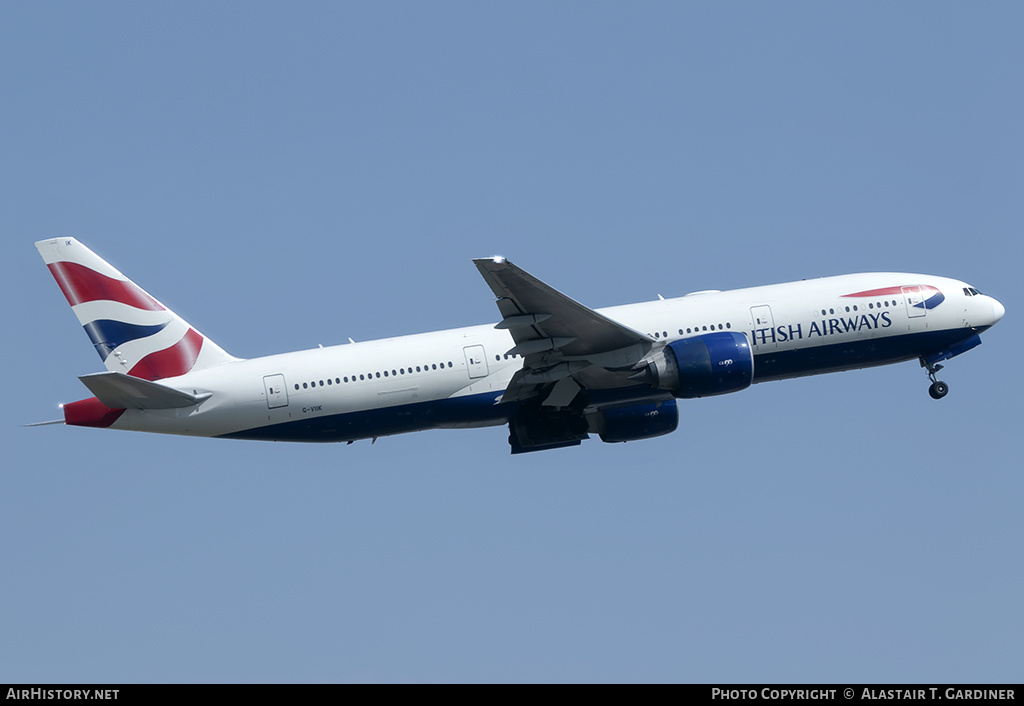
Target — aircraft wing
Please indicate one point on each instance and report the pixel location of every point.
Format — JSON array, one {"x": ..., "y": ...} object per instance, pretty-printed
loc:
[
  {"x": 120, "y": 391},
  {"x": 558, "y": 337}
]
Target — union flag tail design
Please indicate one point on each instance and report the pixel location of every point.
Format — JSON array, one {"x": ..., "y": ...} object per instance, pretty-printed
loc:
[{"x": 132, "y": 332}]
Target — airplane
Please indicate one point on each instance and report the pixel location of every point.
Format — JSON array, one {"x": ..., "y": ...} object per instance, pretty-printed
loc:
[{"x": 553, "y": 370}]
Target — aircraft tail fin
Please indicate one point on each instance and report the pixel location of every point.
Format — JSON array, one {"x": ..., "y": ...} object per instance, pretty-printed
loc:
[{"x": 132, "y": 332}]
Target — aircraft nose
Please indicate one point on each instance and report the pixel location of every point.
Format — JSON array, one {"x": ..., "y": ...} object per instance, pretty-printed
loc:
[{"x": 997, "y": 311}]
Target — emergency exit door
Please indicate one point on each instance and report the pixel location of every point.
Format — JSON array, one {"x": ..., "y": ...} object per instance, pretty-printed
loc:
[
  {"x": 915, "y": 301},
  {"x": 277, "y": 395},
  {"x": 764, "y": 326},
  {"x": 476, "y": 361}
]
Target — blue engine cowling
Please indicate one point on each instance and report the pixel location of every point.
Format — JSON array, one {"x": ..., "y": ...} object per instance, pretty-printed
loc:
[
  {"x": 702, "y": 366},
  {"x": 644, "y": 421}
]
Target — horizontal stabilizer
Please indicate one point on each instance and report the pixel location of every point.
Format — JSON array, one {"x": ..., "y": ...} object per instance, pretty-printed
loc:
[{"x": 120, "y": 391}]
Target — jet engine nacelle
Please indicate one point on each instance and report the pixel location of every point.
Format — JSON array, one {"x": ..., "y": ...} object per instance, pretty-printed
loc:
[
  {"x": 702, "y": 366},
  {"x": 644, "y": 421}
]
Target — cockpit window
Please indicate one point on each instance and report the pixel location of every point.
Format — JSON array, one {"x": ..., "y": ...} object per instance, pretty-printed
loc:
[{"x": 971, "y": 292}]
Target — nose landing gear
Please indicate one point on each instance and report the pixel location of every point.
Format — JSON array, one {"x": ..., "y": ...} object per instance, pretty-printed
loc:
[{"x": 937, "y": 389}]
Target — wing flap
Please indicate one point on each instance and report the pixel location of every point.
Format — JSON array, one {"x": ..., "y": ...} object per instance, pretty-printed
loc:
[
  {"x": 557, "y": 336},
  {"x": 522, "y": 296}
]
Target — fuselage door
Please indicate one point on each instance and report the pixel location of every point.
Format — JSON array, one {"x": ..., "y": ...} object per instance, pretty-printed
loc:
[
  {"x": 764, "y": 326},
  {"x": 915, "y": 301},
  {"x": 476, "y": 361},
  {"x": 277, "y": 395}
]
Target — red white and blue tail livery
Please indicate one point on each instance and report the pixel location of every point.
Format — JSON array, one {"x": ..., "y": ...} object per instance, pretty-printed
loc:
[
  {"x": 554, "y": 370},
  {"x": 132, "y": 332}
]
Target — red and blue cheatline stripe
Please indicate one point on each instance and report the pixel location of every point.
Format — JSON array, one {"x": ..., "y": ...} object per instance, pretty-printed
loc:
[{"x": 932, "y": 296}]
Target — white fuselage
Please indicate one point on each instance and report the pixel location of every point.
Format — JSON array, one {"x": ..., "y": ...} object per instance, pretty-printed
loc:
[{"x": 456, "y": 378}]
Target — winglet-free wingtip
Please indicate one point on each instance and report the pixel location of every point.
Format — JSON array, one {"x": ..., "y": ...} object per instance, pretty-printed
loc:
[{"x": 493, "y": 260}]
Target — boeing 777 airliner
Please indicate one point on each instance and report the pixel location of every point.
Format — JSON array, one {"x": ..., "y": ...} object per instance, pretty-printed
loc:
[{"x": 553, "y": 370}]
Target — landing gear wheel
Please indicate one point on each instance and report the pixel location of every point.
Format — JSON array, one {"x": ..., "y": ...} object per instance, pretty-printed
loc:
[{"x": 938, "y": 389}]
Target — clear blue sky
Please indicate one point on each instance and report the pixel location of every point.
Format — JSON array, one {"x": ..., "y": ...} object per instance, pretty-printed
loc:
[{"x": 284, "y": 175}]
